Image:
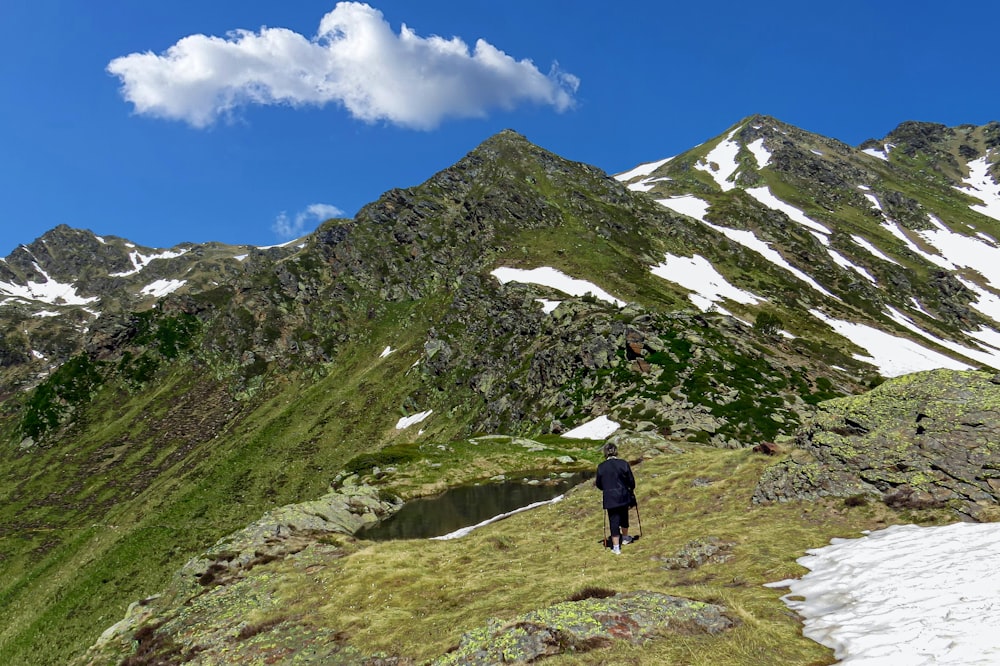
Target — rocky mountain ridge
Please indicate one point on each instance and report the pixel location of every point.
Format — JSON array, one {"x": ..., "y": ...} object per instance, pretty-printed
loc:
[
  {"x": 714, "y": 298},
  {"x": 903, "y": 238},
  {"x": 53, "y": 290}
]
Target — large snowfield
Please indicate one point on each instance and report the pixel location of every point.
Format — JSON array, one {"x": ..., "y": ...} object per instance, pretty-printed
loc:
[{"x": 905, "y": 596}]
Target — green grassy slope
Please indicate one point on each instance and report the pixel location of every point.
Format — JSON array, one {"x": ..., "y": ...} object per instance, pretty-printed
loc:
[
  {"x": 103, "y": 515},
  {"x": 416, "y": 598}
]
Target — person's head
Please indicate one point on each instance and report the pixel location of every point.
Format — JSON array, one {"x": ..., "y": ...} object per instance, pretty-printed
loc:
[{"x": 610, "y": 450}]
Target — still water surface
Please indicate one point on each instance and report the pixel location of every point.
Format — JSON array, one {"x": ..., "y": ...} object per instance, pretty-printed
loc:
[{"x": 460, "y": 507}]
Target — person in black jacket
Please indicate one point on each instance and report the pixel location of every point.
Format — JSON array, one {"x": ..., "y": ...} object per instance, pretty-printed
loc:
[{"x": 614, "y": 477}]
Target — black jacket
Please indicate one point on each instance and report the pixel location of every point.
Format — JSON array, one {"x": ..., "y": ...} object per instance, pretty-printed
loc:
[{"x": 614, "y": 477}]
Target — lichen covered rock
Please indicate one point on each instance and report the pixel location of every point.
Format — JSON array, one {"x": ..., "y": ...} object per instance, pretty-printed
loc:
[
  {"x": 579, "y": 626},
  {"x": 926, "y": 440},
  {"x": 219, "y": 608},
  {"x": 695, "y": 553}
]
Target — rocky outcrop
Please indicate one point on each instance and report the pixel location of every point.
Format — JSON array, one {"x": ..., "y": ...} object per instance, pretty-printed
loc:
[
  {"x": 588, "y": 624},
  {"x": 695, "y": 553},
  {"x": 343, "y": 511},
  {"x": 214, "y": 592},
  {"x": 698, "y": 377},
  {"x": 930, "y": 439}
]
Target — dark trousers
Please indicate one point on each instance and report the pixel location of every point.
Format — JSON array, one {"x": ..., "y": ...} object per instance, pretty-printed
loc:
[{"x": 618, "y": 517}]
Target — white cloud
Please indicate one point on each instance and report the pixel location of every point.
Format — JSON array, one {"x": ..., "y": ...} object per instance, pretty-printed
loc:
[
  {"x": 355, "y": 59},
  {"x": 303, "y": 222}
]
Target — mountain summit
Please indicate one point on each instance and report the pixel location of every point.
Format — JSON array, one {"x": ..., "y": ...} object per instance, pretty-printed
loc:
[{"x": 162, "y": 410}]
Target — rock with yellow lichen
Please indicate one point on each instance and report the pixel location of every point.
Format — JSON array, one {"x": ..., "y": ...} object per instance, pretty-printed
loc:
[
  {"x": 587, "y": 624},
  {"x": 926, "y": 440}
]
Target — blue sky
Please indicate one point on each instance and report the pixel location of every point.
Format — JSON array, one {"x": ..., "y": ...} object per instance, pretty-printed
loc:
[{"x": 158, "y": 123}]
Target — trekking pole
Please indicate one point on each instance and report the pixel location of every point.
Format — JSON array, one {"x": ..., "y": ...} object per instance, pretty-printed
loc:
[{"x": 637, "y": 518}]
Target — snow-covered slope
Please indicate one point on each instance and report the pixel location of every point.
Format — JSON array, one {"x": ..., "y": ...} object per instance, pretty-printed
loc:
[{"x": 906, "y": 273}]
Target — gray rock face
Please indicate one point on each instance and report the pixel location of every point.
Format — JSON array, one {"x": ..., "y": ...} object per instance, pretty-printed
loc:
[{"x": 930, "y": 439}]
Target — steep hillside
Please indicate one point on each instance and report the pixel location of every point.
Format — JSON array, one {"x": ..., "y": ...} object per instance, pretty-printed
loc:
[
  {"x": 155, "y": 401},
  {"x": 892, "y": 245}
]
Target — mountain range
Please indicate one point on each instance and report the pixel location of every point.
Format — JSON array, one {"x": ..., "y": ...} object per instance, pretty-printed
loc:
[{"x": 156, "y": 402}]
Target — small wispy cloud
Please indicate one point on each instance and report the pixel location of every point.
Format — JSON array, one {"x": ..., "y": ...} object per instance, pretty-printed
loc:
[
  {"x": 288, "y": 227},
  {"x": 355, "y": 60}
]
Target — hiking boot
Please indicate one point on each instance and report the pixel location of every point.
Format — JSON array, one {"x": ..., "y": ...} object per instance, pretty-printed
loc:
[
  {"x": 627, "y": 540},
  {"x": 616, "y": 550}
]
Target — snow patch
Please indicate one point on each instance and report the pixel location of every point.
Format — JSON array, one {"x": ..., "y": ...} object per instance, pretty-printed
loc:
[
  {"x": 385, "y": 352},
  {"x": 750, "y": 241},
  {"x": 694, "y": 207},
  {"x": 892, "y": 355},
  {"x": 642, "y": 170},
  {"x": 50, "y": 291},
  {"x": 881, "y": 153},
  {"x": 140, "y": 260},
  {"x": 920, "y": 308},
  {"x": 764, "y": 196},
  {"x": 761, "y": 154},
  {"x": 720, "y": 163},
  {"x": 547, "y": 305},
  {"x": 162, "y": 287},
  {"x": 959, "y": 251},
  {"x": 646, "y": 184},
  {"x": 406, "y": 421},
  {"x": 555, "y": 279},
  {"x": 987, "y": 302},
  {"x": 990, "y": 358},
  {"x": 844, "y": 262},
  {"x": 987, "y": 336},
  {"x": 876, "y": 204},
  {"x": 873, "y": 250},
  {"x": 904, "y": 595},
  {"x": 698, "y": 275},
  {"x": 600, "y": 428},
  {"x": 688, "y": 205},
  {"x": 981, "y": 185},
  {"x": 893, "y": 228},
  {"x": 300, "y": 241}
]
